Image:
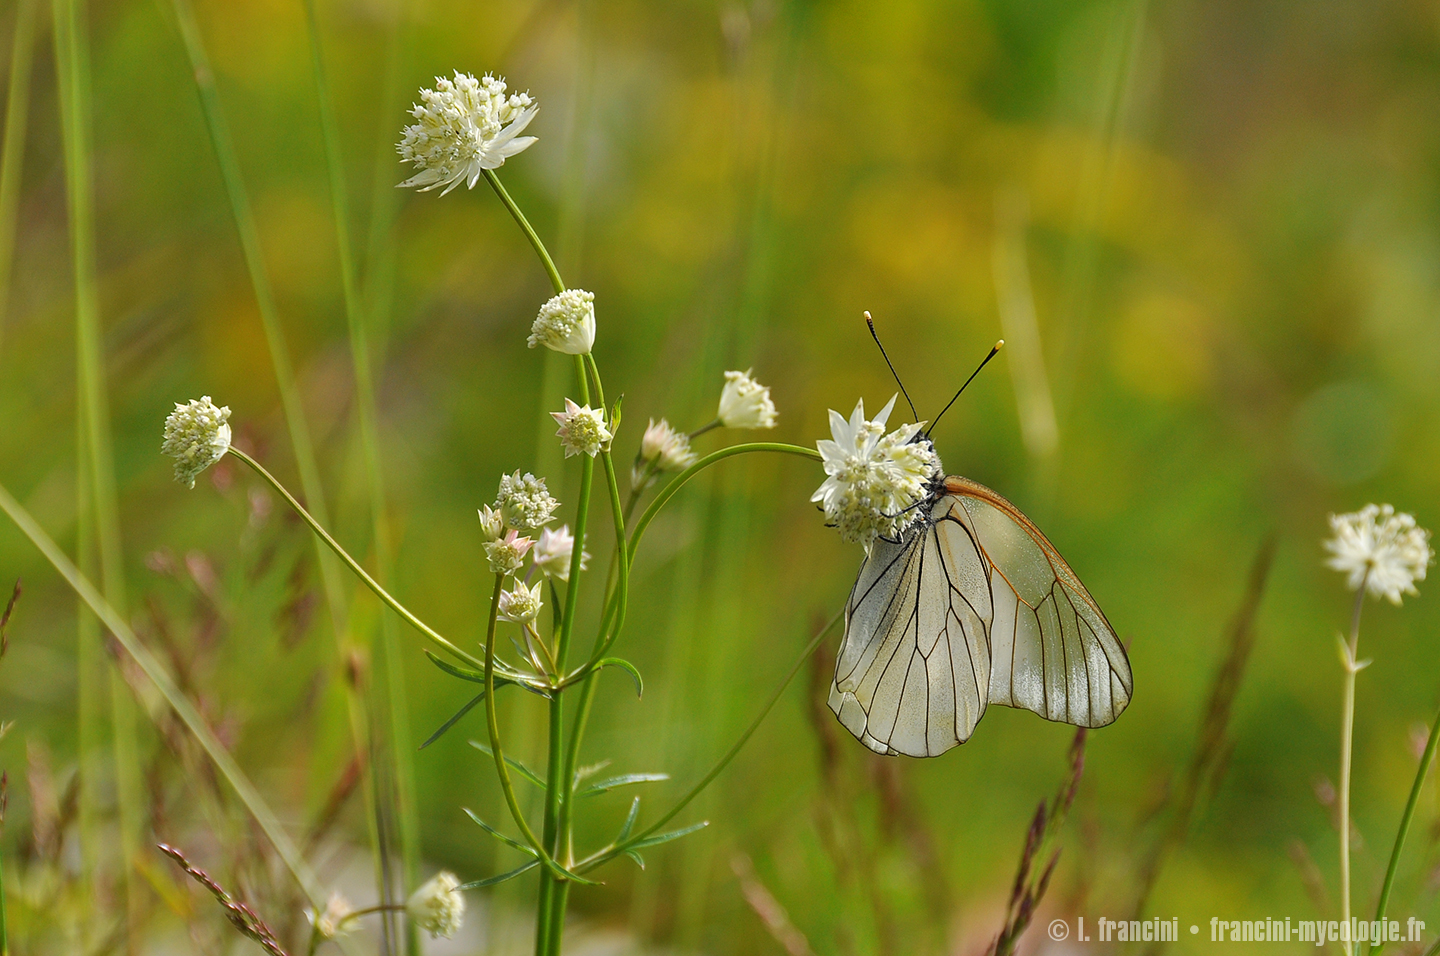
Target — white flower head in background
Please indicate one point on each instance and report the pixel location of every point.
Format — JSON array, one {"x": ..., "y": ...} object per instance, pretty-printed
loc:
[
  {"x": 437, "y": 907},
  {"x": 566, "y": 323},
  {"x": 524, "y": 502},
  {"x": 553, "y": 553},
  {"x": 492, "y": 523},
  {"x": 1383, "y": 549},
  {"x": 875, "y": 480},
  {"x": 520, "y": 604},
  {"x": 667, "y": 448},
  {"x": 336, "y": 919},
  {"x": 582, "y": 430},
  {"x": 506, "y": 555},
  {"x": 745, "y": 403},
  {"x": 464, "y": 126},
  {"x": 196, "y": 436}
]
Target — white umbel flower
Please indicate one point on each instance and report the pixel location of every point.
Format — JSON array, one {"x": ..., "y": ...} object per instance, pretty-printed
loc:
[
  {"x": 520, "y": 604},
  {"x": 745, "y": 403},
  {"x": 524, "y": 502},
  {"x": 196, "y": 436},
  {"x": 464, "y": 126},
  {"x": 507, "y": 554},
  {"x": 566, "y": 323},
  {"x": 875, "y": 480},
  {"x": 582, "y": 430},
  {"x": 437, "y": 907},
  {"x": 492, "y": 523},
  {"x": 1384, "y": 549},
  {"x": 667, "y": 448},
  {"x": 336, "y": 919},
  {"x": 553, "y": 553}
]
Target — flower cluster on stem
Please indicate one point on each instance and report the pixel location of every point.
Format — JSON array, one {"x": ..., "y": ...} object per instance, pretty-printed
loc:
[{"x": 464, "y": 126}]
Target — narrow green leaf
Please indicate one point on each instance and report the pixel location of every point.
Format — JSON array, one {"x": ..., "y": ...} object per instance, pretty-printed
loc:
[
  {"x": 618, "y": 662},
  {"x": 464, "y": 673},
  {"x": 629, "y": 821},
  {"x": 667, "y": 837},
  {"x": 497, "y": 834},
  {"x": 586, "y": 772},
  {"x": 453, "y": 720},
  {"x": 514, "y": 765},
  {"x": 477, "y": 884},
  {"x": 624, "y": 780},
  {"x": 639, "y": 860}
]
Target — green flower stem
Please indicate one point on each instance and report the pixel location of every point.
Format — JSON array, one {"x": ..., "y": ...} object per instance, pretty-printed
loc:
[
  {"x": 354, "y": 565},
  {"x": 1347, "y": 739},
  {"x": 492, "y": 722},
  {"x": 12, "y": 154},
  {"x": 609, "y": 853},
  {"x": 607, "y": 634},
  {"x": 398, "y": 753},
  {"x": 1405, "y": 819},
  {"x": 529, "y": 231}
]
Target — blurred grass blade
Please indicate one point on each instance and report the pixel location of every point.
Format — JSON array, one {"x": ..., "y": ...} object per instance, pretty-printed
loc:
[
  {"x": 177, "y": 701},
  {"x": 95, "y": 455},
  {"x": 1212, "y": 745},
  {"x": 397, "y": 707},
  {"x": 12, "y": 154}
]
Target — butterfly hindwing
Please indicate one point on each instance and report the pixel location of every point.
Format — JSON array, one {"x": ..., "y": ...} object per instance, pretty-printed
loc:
[
  {"x": 1052, "y": 650},
  {"x": 972, "y": 606}
]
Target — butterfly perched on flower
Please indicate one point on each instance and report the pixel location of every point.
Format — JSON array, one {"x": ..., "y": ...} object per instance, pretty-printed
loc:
[{"x": 961, "y": 601}]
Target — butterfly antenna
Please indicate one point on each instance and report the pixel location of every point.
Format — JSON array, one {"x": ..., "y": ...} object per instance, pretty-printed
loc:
[
  {"x": 914, "y": 415},
  {"x": 998, "y": 346}
]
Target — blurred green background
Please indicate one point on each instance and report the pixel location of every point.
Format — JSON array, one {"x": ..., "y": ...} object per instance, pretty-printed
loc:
[{"x": 1210, "y": 233}]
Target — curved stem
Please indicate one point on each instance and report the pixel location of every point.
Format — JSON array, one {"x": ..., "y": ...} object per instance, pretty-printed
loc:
[
  {"x": 615, "y": 850},
  {"x": 354, "y": 565},
  {"x": 492, "y": 723},
  {"x": 606, "y": 636},
  {"x": 1405, "y": 819},
  {"x": 529, "y": 231},
  {"x": 669, "y": 490}
]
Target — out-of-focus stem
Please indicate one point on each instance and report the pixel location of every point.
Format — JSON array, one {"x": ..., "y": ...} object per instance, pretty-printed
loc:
[{"x": 12, "y": 154}]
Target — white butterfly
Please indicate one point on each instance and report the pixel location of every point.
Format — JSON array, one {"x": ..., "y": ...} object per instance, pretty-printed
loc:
[{"x": 971, "y": 606}]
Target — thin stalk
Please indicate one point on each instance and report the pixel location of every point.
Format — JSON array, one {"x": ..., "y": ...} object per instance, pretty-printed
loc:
[
  {"x": 249, "y": 236},
  {"x": 1409, "y": 814},
  {"x": 73, "y": 68},
  {"x": 1347, "y": 736},
  {"x": 177, "y": 701},
  {"x": 615, "y": 850},
  {"x": 606, "y": 635},
  {"x": 397, "y": 707},
  {"x": 12, "y": 154},
  {"x": 529, "y": 231},
  {"x": 492, "y": 722},
  {"x": 354, "y": 565},
  {"x": 4, "y": 930}
]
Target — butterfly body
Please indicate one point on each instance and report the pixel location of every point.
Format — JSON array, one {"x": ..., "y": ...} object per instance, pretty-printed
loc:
[{"x": 971, "y": 605}]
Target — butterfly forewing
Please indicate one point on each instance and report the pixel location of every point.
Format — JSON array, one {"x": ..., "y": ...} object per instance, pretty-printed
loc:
[{"x": 973, "y": 606}]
